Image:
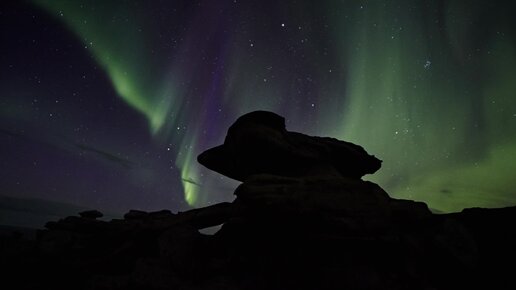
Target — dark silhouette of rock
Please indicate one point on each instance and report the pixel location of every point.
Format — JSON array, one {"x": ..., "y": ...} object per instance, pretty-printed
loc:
[
  {"x": 333, "y": 196},
  {"x": 93, "y": 214},
  {"x": 318, "y": 226},
  {"x": 135, "y": 214},
  {"x": 258, "y": 143}
]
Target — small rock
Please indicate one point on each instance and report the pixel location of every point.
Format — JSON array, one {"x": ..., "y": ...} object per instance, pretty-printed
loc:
[
  {"x": 91, "y": 214},
  {"x": 164, "y": 213},
  {"x": 134, "y": 214}
]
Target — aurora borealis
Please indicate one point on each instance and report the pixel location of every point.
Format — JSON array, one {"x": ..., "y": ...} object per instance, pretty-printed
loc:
[{"x": 107, "y": 104}]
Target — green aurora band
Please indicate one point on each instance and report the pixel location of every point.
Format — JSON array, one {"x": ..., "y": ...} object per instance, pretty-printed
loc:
[
  {"x": 434, "y": 99},
  {"x": 420, "y": 94},
  {"x": 104, "y": 31}
]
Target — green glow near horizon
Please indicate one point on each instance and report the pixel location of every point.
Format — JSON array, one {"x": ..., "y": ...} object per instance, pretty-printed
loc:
[
  {"x": 418, "y": 120},
  {"x": 186, "y": 161}
]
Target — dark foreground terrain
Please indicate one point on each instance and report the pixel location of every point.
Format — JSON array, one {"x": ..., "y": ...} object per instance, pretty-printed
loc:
[
  {"x": 302, "y": 219},
  {"x": 298, "y": 248}
]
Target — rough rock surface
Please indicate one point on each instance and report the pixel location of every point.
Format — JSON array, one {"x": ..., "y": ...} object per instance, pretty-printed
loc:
[
  {"x": 322, "y": 228},
  {"x": 258, "y": 143}
]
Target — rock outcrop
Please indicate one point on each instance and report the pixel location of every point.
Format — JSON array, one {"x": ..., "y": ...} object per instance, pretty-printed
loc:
[
  {"x": 302, "y": 219},
  {"x": 258, "y": 143}
]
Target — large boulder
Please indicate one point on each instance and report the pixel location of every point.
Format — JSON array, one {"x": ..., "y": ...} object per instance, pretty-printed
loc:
[
  {"x": 258, "y": 143},
  {"x": 343, "y": 205}
]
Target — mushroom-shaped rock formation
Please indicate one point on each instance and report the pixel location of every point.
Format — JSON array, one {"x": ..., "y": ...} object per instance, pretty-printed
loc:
[{"x": 258, "y": 143}]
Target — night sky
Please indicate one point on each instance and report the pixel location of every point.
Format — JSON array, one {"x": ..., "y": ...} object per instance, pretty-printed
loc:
[{"x": 106, "y": 104}]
